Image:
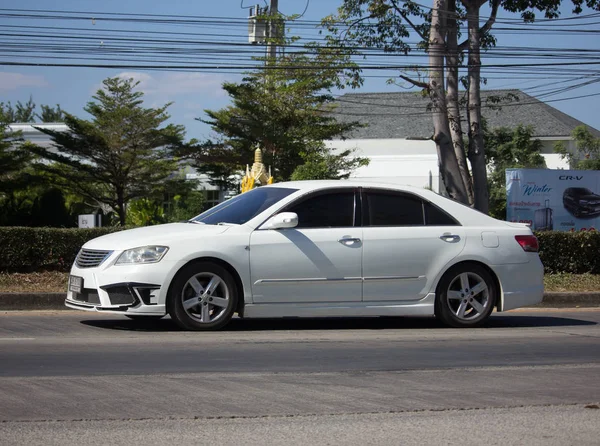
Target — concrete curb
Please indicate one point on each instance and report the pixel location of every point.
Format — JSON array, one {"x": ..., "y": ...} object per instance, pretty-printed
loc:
[
  {"x": 32, "y": 301},
  {"x": 56, "y": 301}
]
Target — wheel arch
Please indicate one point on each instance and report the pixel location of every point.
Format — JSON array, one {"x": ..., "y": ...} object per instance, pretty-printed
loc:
[
  {"x": 230, "y": 269},
  {"x": 491, "y": 272}
]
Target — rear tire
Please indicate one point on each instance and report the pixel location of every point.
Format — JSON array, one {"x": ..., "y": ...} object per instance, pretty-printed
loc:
[
  {"x": 466, "y": 296},
  {"x": 203, "y": 296}
]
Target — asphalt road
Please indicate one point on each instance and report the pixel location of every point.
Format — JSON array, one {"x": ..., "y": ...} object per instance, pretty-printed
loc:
[{"x": 526, "y": 377}]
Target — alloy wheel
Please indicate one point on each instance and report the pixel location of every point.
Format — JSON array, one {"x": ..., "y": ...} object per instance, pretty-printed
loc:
[
  {"x": 205, "y": 297},
  {"x": 468, "y": 296}
]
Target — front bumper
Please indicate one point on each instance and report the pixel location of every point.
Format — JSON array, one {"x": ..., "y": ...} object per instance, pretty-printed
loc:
[
  {"x": 127, "y": 289},
  {"x": 589, "y": 211}
]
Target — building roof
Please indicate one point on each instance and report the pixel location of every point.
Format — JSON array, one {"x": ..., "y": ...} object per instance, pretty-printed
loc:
[
  {"x": 405, "y": 114},
  {"x": 30, "y": 133}
]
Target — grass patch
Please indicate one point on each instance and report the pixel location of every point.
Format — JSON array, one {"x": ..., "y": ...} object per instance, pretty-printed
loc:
[
  {"x": 42, "y": 282},
  {"x": 572, "y": 282},
  {"x": 56, "y": 282}
]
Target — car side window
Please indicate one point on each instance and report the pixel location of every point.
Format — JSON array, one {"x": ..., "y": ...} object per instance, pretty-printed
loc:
[
  {"x": 393, "y": 209},
  {"x": 329, "y": 210},
  {"x": 434, "y": 216}
]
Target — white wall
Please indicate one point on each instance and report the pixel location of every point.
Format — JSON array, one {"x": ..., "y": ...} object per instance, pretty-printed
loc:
[
  {"x": 415, "y": 162},
  {"x": 554, "y": 160},
  {"x": 402, "y": 161}
]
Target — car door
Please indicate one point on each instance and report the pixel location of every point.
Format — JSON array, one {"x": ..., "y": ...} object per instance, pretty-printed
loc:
[
  {"x": 317, "y": 261},
  {"x": 406, "y": 242}
]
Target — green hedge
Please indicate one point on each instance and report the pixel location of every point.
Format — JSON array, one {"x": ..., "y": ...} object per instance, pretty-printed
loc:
[
  {"x": 25, "y": 249},
  {"x": 34, "y": 249},
  {"x": 570, "y": 252}
]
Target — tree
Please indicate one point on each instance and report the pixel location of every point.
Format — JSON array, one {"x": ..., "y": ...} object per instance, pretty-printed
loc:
[
  {"x": 283, "y": 110},
  {"x": 120, "y": 155},
  {"x": 387, "y": 24},
  {"x": 20, "y": 113},
  {"x": 13, "y": 160},
  {"x": 505, "y": 149},
  {"x": 327, "y": 166},
  {"x": 26, "y": 112},
  {"x": 51, "y": 114},
  {"x": 587, "y": 156}
]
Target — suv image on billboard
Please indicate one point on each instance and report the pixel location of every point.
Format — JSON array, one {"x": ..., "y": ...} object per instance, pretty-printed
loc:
[{"x": 581, "y": 202}]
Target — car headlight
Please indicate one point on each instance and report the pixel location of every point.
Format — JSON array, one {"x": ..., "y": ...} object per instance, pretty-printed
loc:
[{"x": 143, "y": 254}]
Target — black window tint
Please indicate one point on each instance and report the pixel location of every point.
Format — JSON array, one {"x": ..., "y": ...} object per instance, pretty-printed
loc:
[
  {"x": 393, "y": 209},
  {"x": 331, "y": 210},
  {"x": 434, "y": 216}
]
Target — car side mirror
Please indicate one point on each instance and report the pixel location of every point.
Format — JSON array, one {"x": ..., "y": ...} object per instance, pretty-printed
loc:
[{"x": 282, "y": 221}]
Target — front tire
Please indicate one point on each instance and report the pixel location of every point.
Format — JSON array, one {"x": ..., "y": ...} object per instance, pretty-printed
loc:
[
  {"x": 466, "y": 296},
  {"x": 203, "y": 296}
]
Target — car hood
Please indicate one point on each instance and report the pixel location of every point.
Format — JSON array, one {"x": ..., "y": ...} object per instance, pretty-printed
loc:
[{"x": 153, "y": 235}]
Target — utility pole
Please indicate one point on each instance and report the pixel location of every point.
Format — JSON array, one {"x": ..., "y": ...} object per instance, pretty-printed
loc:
[{"x": 273, "y": 30}]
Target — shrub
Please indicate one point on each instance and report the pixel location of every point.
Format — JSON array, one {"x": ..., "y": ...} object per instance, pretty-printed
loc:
[
  {"x": 570, "y": 252},
  {"x": 33, "y": 249}
]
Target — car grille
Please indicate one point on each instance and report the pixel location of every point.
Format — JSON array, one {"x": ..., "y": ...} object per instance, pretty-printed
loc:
[
  {"x": 120, "y": 295},
  {"x": 90, "y": 258},
  {"x": 88, "y": 295}
]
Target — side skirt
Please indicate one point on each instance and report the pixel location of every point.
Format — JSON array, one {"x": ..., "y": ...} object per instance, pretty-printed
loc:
[{"x": 421, "y": 307}]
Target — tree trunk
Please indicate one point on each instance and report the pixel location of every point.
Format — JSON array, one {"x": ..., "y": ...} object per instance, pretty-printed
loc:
[
  {"x": 476, "y": 149},
  {"x": 456, "y": 132},
  {"x": 449, "y": 169},
  {"x": 121, "y": 206}
]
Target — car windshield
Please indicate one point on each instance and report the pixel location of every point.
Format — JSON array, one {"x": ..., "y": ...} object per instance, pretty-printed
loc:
[
  {"x": 238, "y": 210},
  {"x": 582, "y": 191}
]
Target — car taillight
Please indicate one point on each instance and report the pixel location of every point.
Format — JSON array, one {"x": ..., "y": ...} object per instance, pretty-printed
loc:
[{"x": 529, "y": 243}]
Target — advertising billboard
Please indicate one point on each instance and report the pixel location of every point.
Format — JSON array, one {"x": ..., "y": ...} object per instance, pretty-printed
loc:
[{"x": 554, "y": 200}]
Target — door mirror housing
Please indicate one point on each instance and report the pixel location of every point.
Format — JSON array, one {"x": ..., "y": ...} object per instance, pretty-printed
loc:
[{"x": 282, "y": 221}]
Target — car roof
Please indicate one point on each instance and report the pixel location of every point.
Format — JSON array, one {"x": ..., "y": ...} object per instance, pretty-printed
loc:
[{"x": 308, "y": 185}]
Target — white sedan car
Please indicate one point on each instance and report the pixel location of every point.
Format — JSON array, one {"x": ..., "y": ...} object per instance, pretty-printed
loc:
[{"x": 311, "y": 249}]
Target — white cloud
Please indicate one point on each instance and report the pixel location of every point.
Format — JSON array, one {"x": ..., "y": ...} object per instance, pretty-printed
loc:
[
  {"x": 13, "y": 81},
  {"x": 142, "y": 78}
]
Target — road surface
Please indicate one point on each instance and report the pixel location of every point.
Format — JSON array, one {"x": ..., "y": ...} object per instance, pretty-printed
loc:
[{"x": 527, "y": 377}]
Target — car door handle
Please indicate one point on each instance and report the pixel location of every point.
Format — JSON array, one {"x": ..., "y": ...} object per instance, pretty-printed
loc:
[
  {"x": 349, "y": 241},
  {"x": 450, "y": 238}
]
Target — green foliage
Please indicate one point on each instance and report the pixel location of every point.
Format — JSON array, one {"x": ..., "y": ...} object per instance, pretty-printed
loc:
[
  {"x": 570, "y": 252},
  {"x": 46, "y": 248},
  {"x": 327, "y": 166},
  {"x": 506, "y": 149},
  {"x": 37, "y": 206},
  {"x": 144, "y": 212},
  {"x": 282, "y": 110},
  {"x": 51, "y": 114},
  {"x": 49, "y": 209},
  {"x": 587, "y": 155},
  {"x": 13, "y": 161},
  {"x": 20, "y": 113},
  {"x": 120, "y": 155},
  {"x": 26, "y": 112},
  {"x": 186, "y": 206}
]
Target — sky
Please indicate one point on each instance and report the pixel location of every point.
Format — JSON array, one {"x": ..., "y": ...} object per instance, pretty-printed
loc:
[{"x": 193, "y": 91}]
